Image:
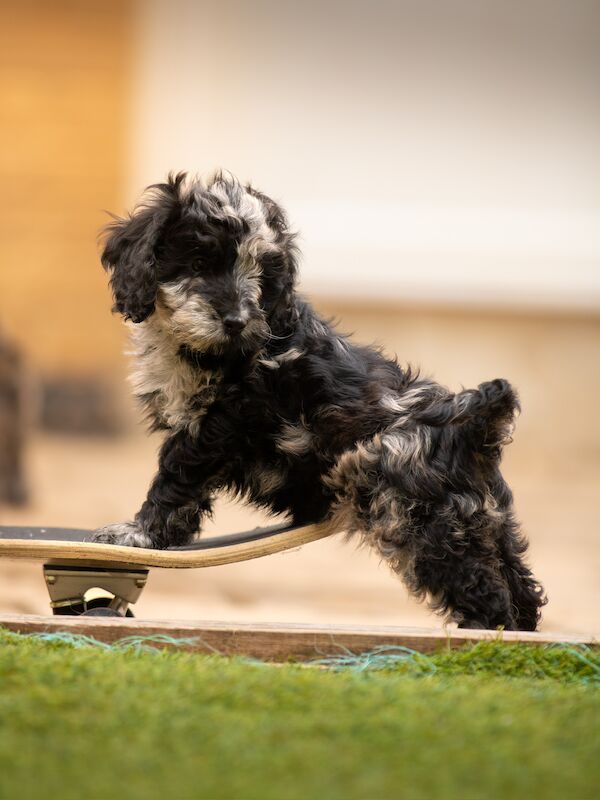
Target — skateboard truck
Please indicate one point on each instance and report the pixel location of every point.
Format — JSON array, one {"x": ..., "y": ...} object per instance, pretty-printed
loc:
[{"x": 93, "y": 591}]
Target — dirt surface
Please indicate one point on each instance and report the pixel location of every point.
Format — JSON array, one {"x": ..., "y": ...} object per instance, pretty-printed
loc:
[{"x": 88, "y": 482}]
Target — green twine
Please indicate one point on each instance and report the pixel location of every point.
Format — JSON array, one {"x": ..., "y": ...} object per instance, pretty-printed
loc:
[
  {"x": 379, "y": 658},
  {"x": 149, "y": 643},
  {"x": 554, "y": 661}
]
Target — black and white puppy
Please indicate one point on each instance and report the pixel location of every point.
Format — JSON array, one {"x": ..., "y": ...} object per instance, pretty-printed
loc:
[{"x": 259, "y": 395}]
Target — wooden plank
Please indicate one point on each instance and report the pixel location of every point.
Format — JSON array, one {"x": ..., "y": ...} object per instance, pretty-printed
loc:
[
  {"x": 94, "y": 554},
  {"x": 279, "y": 642}
]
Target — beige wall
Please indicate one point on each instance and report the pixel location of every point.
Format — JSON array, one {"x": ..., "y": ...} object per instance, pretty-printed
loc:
[
  {"x": 426, "y": 150},
  {"x": 64, "y": 67}
]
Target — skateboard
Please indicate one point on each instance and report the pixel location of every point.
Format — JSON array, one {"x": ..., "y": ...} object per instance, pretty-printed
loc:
[{"x": 95, "y": 579}]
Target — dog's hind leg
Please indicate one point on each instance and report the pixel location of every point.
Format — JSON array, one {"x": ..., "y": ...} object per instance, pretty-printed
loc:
[
  {"x": 444, "y": 547},
  {"x": 527, "y": 594},
  {"x": 459, "y": 572},
  {"x": 454, "y": 565}
]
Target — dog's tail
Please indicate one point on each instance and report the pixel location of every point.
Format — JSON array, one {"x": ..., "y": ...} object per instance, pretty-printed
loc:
[{"x": 488, "y": 410}]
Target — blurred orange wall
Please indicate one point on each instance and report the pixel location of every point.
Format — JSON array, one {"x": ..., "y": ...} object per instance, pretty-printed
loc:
[{"x": 64, "y": 67}]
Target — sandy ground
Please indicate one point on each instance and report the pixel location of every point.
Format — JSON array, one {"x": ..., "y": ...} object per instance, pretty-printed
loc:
[{"x": 88, "y": 482}]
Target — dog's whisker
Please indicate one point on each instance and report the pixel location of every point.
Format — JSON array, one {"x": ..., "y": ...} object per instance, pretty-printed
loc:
[{"x": 271, "y": 335}]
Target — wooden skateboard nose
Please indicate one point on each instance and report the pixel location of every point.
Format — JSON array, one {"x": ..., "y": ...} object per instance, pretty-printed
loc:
[{"x": 74, "y": 566}]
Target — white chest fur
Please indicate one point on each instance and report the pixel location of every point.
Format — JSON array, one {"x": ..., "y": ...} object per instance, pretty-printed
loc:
[{"x": 177, "y": 393}]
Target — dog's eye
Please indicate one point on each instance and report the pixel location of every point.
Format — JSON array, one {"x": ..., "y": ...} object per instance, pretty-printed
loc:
[{"x": 208, "y": 252}]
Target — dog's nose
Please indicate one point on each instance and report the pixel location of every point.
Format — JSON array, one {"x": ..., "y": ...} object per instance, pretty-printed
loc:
[{"x": 234, "y": 323}]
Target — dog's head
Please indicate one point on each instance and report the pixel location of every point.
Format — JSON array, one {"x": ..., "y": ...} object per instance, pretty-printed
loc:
[{"x": 215, "y": 263}]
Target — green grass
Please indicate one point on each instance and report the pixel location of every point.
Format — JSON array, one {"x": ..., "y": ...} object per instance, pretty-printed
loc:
[{"x": 492, "y": 721}]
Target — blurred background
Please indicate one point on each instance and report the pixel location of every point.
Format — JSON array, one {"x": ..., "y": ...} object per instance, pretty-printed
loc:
[{"x": 441, "y": 163}]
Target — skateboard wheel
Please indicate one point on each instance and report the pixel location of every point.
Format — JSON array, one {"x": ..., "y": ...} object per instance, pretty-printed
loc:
[{"x": 99, "y": 607}]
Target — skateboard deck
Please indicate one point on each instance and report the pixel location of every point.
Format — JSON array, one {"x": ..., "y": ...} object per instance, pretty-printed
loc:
[{"x": 69, "y": 546}]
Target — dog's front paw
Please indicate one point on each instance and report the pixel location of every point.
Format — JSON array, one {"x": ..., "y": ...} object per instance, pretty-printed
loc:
[{"x": 128, "y": 534}]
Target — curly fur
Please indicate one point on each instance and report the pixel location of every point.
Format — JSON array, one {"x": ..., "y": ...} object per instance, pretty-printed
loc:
[{"x": 259, "y": 395}]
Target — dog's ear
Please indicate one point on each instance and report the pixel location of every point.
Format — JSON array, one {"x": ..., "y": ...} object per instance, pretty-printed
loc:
[
  {"x": 130, "y": 246},
  {"x": 279, "y": 264},
  {"x": 279, "y": 267}
]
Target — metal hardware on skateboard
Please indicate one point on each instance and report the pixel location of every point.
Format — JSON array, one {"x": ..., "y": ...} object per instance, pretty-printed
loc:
[{"x": 93, "y": 591}]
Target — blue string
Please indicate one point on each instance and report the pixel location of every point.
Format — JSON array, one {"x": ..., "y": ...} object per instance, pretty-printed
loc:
[{"x": 383, "y": 657}]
